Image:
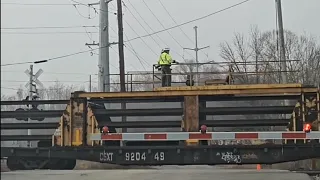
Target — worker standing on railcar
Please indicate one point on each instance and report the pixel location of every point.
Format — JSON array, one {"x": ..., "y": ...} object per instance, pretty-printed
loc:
[{"x": 164, "y": 63}]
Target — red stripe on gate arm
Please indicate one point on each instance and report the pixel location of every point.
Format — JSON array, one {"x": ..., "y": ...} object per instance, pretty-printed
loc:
[
  {"x": 155, "y": 136},
  {"x": 111, "y": 136},
  {"x": 246, "y": 135},
  {"x": 200, "y": 136},
  {"x": 289, "y": 135}
]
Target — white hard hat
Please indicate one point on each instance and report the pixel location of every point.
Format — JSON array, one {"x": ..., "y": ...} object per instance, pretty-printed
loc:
[{"x": 166, "y": 49}]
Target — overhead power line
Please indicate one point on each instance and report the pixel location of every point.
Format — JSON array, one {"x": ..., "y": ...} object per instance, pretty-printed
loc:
[
  {"x": 81, "y": 52},
  {"x": 51, "y": 59},
  {"x": 38, "y": 33},
  {"x": 69, "y": 73},
  {"x": 60, "y": 4},
  {"x": 39, "y": 4},
  {"x": 45, "y": 81},
  {"x": 169, "y": 14},
  {"x": 188, "y": 22},
  {"x": 131, "y": 50},
  {"x": 163, "y": 42},
  {"x": 140, "y": 23},
  {"x": 48, "y": 27},
  {"x": 163, "y": 25},
  {"x": 9, "y": 88}
]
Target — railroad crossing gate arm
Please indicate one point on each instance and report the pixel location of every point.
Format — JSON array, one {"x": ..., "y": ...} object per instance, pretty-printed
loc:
[{"x": 182, "y": 136}]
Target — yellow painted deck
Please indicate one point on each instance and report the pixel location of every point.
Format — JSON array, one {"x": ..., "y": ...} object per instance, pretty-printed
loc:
[{"x": 253, "y": 90}]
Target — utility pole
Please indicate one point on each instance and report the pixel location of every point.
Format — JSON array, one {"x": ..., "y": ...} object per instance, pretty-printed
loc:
[
  {"x": 196, "y": 49},
  {"x": 121, "y": 57},
  {"x": 121, "y": 50},
  {"x": 283, "y": 61},
  {"x": 104, "y": 69},
  {"x": 90, "y": 83}
]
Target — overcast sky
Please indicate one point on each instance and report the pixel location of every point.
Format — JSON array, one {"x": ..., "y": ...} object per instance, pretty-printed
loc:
[{"x": 18, "y": 45}]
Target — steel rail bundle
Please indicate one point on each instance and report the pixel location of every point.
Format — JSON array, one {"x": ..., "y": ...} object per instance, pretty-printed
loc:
[
  {"x": 158, "y": 124},
  {"x": 25, "y": 137},
  {"x": 85, "y": 117},
  {"x": 156, "y": 112},
  {"x": 159, "y": 99}
]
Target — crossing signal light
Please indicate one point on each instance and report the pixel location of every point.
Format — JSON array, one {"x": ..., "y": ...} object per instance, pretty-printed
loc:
[
  {"x": 34, "y": 109},
  {"x": 105, "y": 130},
  {"x": 307, "y": 128},
  {"x": 189, "y": 81},
  {"x": 20, "y": 118},
  {"x": 203, "y": 129}
]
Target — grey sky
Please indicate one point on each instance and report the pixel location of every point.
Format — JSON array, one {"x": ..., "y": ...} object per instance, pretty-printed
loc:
[{"x": 300, "y": 16}]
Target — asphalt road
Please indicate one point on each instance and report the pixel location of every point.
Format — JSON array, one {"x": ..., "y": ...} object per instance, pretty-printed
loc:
[{"x": 166, "y": 173}]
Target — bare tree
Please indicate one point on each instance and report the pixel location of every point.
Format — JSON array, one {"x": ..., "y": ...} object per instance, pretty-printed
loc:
[
  {"x": 259, "y": 53},
  {"x": 261, "y": 50}
]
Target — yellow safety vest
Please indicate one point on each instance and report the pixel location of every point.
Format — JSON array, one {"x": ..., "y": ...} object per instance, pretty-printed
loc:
[{"x": 165, "y": 59}]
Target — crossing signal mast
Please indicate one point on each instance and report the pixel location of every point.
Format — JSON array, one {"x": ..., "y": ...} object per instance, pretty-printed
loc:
[{"x": 33, "y": 92}]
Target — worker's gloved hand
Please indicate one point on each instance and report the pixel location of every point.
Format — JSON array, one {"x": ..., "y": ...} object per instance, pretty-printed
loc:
[{"x": 157, "y": 66}]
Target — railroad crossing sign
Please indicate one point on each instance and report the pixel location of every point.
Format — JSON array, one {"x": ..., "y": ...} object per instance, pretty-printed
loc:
[{"x": 34, "y": 78}]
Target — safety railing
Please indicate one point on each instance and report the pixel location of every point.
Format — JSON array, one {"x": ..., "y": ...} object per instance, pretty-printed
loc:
[{"x": 209, "y": 73}]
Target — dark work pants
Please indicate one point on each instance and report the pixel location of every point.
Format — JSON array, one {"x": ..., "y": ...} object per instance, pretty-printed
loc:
[{"x": 166, "y": 75}]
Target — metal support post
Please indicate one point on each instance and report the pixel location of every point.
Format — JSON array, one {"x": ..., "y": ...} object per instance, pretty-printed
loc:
[
  {"x": 282, "y": 44},
  {"x": 196, "y": 49},
  {"x": 283, "y": 61},
  {"x": 30, "y": 98},
  {"x": 90, "y": 86}
]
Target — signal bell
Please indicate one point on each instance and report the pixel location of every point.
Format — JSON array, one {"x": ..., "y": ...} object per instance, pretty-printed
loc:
[{"x": 307, "y": 128}]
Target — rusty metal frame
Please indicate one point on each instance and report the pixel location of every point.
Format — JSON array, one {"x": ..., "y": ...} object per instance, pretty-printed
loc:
[
  {"x": 84, "y": 121},
  {"x": 261, "y": 89},
  {"x": 175, "y": 155},
  {"x": 191, "y": 113}
]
